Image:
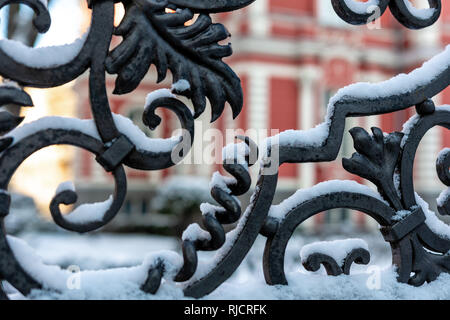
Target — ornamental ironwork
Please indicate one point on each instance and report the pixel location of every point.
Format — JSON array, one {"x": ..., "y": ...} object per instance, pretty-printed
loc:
[{"x": 193, "y": 55}]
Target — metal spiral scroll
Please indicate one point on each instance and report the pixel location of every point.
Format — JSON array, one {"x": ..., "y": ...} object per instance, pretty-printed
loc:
[
  {"x": 419, "y": 253},
  {"x": 213, "y": 221},
  {"x": 278, "y": 238},
  {"x": 398, "y": 8},
  {"x": 11, "y": 159},
  {"x": 357, "y": 255}
]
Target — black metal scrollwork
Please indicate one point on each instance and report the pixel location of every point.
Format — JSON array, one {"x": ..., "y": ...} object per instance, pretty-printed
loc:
[
  {"x": 213, "y": 219},
  {"x": 192, "y": 53},
  {"x": 358, "y": 13},
  {"x": 357, "y": 255},
  {"x": 157, "y": 32}
]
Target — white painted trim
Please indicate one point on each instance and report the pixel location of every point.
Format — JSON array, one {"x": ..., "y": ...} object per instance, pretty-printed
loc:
[
  {"x": 295, "y": 48},
  {"x": 258, "y": 115},
  {"x": 258, "y": 18},
  {"x": 307, "y": 171}
]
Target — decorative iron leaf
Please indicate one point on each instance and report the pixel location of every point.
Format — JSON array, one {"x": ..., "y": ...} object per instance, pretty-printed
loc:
[
  {"x": 16, "y": 96},
  {"x": 191, "y": 52},
  {"x": 10, "y": 94},
  {"x": 211, "y": 5},
  {"x": 376, "y": 159},
  {"x": 376, "y": 155}
]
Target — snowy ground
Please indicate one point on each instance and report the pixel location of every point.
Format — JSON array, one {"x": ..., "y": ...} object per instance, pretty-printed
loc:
[{"x": 102, "y": 251}]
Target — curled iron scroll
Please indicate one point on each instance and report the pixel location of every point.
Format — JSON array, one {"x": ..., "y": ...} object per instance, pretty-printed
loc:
[{"x": 360, "y": 13}]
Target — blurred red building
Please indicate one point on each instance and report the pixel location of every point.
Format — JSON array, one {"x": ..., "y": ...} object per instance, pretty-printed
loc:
[{"x": 292, "y": 57}]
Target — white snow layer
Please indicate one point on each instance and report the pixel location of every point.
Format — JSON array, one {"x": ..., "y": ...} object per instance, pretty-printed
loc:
[
  {"x": 313, "y": 137},
  {"x": 400, "y": 215},
  {"x": 65, "y": 186},
  {"x": 125, "y": 125},
  {"x": 337, "y": 249},
  {"x": 121, "y": 283},
  {"x": 85, "y": 213},
  {"x": 194, "y": 232},
  {"x": 443, "y": 197},
  {"x": 375, "y": 284},
  {"x": 436, "y": 225},
  {"x": 372, "y": 283},
  {"x": 400, "y": 84},
  {"x": 42, "y": 57},
  {"x": 179, "y": 86},
  {"x": 362, "y": 7},
  {"x": 140, "y": 140},
  {"x": 235, "y": 151},
  {"x": 422, "y": 14},
  {"x": 221, "y": 182},
  {"x": 407, "y": 127},
  {"x": 208, "y": 208},
  {"x": 280, "y": 211},
  {"x": 90, "y": 212},
  {"x": 31, "y": 128},
  {"x": 157, "y": 94}
]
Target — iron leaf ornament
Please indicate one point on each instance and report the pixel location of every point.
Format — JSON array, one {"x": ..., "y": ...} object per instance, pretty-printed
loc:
[
  {"x": 11, "y": 94},
  {"x": 376, "y": 160},
  {"x": 159, "y": 33}
]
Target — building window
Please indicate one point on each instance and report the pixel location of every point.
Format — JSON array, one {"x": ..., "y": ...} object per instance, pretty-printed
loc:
[
  {"x": 144, "y": 206},
  {"x": 136, "y": 206},
  {"x": 127, "y": 208}
]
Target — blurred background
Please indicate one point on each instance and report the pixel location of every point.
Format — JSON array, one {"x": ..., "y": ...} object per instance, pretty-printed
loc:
[{"x": 292, "y": 57}]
